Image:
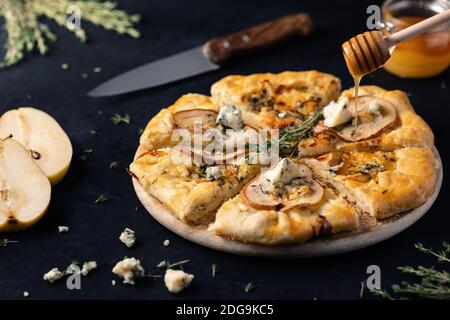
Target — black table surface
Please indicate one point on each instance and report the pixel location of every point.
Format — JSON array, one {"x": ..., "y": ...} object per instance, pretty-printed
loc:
[{"x": 168, "y": 27}]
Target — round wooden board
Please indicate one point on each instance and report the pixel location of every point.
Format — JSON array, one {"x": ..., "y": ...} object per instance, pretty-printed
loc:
[{"x": 320, "y": 247}]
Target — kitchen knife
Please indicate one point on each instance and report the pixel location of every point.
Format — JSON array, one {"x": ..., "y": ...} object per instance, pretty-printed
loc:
[{"x": 211, "y": 56}]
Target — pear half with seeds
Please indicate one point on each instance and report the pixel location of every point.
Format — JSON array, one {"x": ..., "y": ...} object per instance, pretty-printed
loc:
[
  {"x": 45, "y": 140},
  {"x": 25, "y": 190}
]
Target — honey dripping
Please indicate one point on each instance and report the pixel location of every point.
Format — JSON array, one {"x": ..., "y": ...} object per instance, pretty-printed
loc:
[{"x": 363, "y": 54}]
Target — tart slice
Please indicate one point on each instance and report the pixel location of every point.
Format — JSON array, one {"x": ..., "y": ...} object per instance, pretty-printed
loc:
[
  {"x": 269, "y": 100},
  {"x": 385, "y": 121},
  {"x": 284, "y": 205},
  {"x": 192, "y": 192},
  {"x": 379, "y": 182}
]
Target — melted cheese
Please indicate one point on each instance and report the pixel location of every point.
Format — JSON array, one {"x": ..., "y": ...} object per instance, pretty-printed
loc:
[{"x": 358, "y": 162}]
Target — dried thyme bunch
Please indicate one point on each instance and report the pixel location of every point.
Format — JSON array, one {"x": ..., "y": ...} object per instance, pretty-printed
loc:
[
  {"x": 27, "y": 33},
  {"x": 432, "y": 284}
]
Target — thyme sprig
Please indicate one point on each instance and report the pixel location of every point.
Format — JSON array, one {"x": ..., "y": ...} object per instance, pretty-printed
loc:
[
  {"x": 117, "y": 119},
  {"x": 5, "y": 242},
  {"x": 27, "y": 33},
  {"x": 166, "y": 264},
  {"x": 289, "y": 137},
  {"x": 432, "y": 284}
]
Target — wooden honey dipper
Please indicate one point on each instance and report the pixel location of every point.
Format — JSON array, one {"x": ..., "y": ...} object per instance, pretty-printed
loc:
[{"x": 369, "y": 51}]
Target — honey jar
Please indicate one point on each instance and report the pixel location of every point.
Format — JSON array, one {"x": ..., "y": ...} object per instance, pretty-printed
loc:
[{"x": 425, "y": 55}]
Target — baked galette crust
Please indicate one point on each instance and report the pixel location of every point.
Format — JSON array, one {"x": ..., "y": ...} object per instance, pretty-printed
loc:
[
  {"x": 238, "y": 221},
  {"x": 405, "y": 184},
  {"x": 270, "y": 100}
]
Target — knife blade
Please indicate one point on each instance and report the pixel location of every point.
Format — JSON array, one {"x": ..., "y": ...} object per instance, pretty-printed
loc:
[{"x": 210, "y": 56}]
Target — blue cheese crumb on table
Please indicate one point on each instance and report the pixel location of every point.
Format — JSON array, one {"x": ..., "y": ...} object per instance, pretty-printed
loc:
[
  {"x": 177, "y": 280},
  {"x": 63, "y": 229},
  {"x": 88, "y": 267},
  {"x": 128, "y": 237},
  {"x": 53, "y": 275},
  {"x": 129, "y": 269}
]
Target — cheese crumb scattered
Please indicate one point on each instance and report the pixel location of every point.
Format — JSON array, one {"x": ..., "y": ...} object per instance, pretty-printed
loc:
[
  {"x": 374, "y": 108},
  {"x": 26, "y": 294},
  {"x": 213, "y": 173},
  {"x": 166, "y": 243},
  {"x": 128, "y": 237},
  {"x": 177, "y": 280},
  {"x": 129, "y": 269},
  {"x": 283, "y": 172},
  {"x": 88, "y": 267},
  {"x": 230, "y": 117},
  {"x": 53, "y": 275},
  {"x": 336, "y": 113},
  {"x": 113, "y": 282},
  {"x": 62, "y": 229}
]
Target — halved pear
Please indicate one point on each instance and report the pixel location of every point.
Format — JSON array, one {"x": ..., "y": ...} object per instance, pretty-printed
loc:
[
  {"x": 46, "y": 141},
  {"x": 24, "y": 189}
]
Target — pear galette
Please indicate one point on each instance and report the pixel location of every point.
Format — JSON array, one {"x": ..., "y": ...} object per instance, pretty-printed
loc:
[{"x": 340, "y": 165}]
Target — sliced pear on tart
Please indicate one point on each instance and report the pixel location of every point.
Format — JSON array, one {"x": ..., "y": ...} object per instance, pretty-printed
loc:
[
  {"x": 186, "y": 119},
  {"x": 287, "y": 186},
  {"x": 375, "y": 115}
]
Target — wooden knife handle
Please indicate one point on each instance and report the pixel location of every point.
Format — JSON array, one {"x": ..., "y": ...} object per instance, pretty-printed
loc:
[{"x": 265, "y": 35}]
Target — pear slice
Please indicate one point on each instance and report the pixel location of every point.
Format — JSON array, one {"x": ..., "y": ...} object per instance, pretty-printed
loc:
[
  {"x": 24, "y": 189},
  {"x": 256, "y": 194},
  {"x": 46, "y": 141},
  {"x": 370, "y": 125}
]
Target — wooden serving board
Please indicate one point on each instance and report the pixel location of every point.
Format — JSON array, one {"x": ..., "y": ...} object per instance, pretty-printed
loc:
[{"x": 319, "y": 247}]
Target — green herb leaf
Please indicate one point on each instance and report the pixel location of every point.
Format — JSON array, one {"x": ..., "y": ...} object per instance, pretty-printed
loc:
[
  {"x": 249, "y": 287},
  {"x": 5, "y": 242},
  {"x": 431, "y": 284},
  {"x": 113, "y": 165},
  {"x": 363, "y": 287},
  {"x": 27, "y": 32},
  {"x": 75, "y": 262},
  {"x": 117, "y": 119},
  {"x": 149, "y": 275},
  {"x": 214, "y": 270},
  {"x": 166, "y": 264},
  {"x": 101, "y": 199},
  {"x": 288, "y": 139},
  {"x": 86, "y": 154}
]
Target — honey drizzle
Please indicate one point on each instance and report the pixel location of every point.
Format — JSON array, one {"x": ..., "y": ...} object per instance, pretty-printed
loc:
[{"x": 357, "y": 80}]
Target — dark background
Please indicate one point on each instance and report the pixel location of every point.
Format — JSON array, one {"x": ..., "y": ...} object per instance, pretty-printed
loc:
[{"x": 168, "y": 27}]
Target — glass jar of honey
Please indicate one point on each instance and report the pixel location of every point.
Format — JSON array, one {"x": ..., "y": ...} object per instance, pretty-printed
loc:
[{"x": 425, "y": 55}]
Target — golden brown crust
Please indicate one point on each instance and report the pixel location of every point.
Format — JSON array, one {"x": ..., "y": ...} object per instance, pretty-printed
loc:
[
  {"x": 409, "y": 131},
  {"x": 182, "y": 188},
  {"x": 412, "y": 130},
  {"x": 237, "y": 221},
  {"x": 406, "y": 185},
  {"x": 158, "y": 132},
  {"x": 262, "y": 97}
]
